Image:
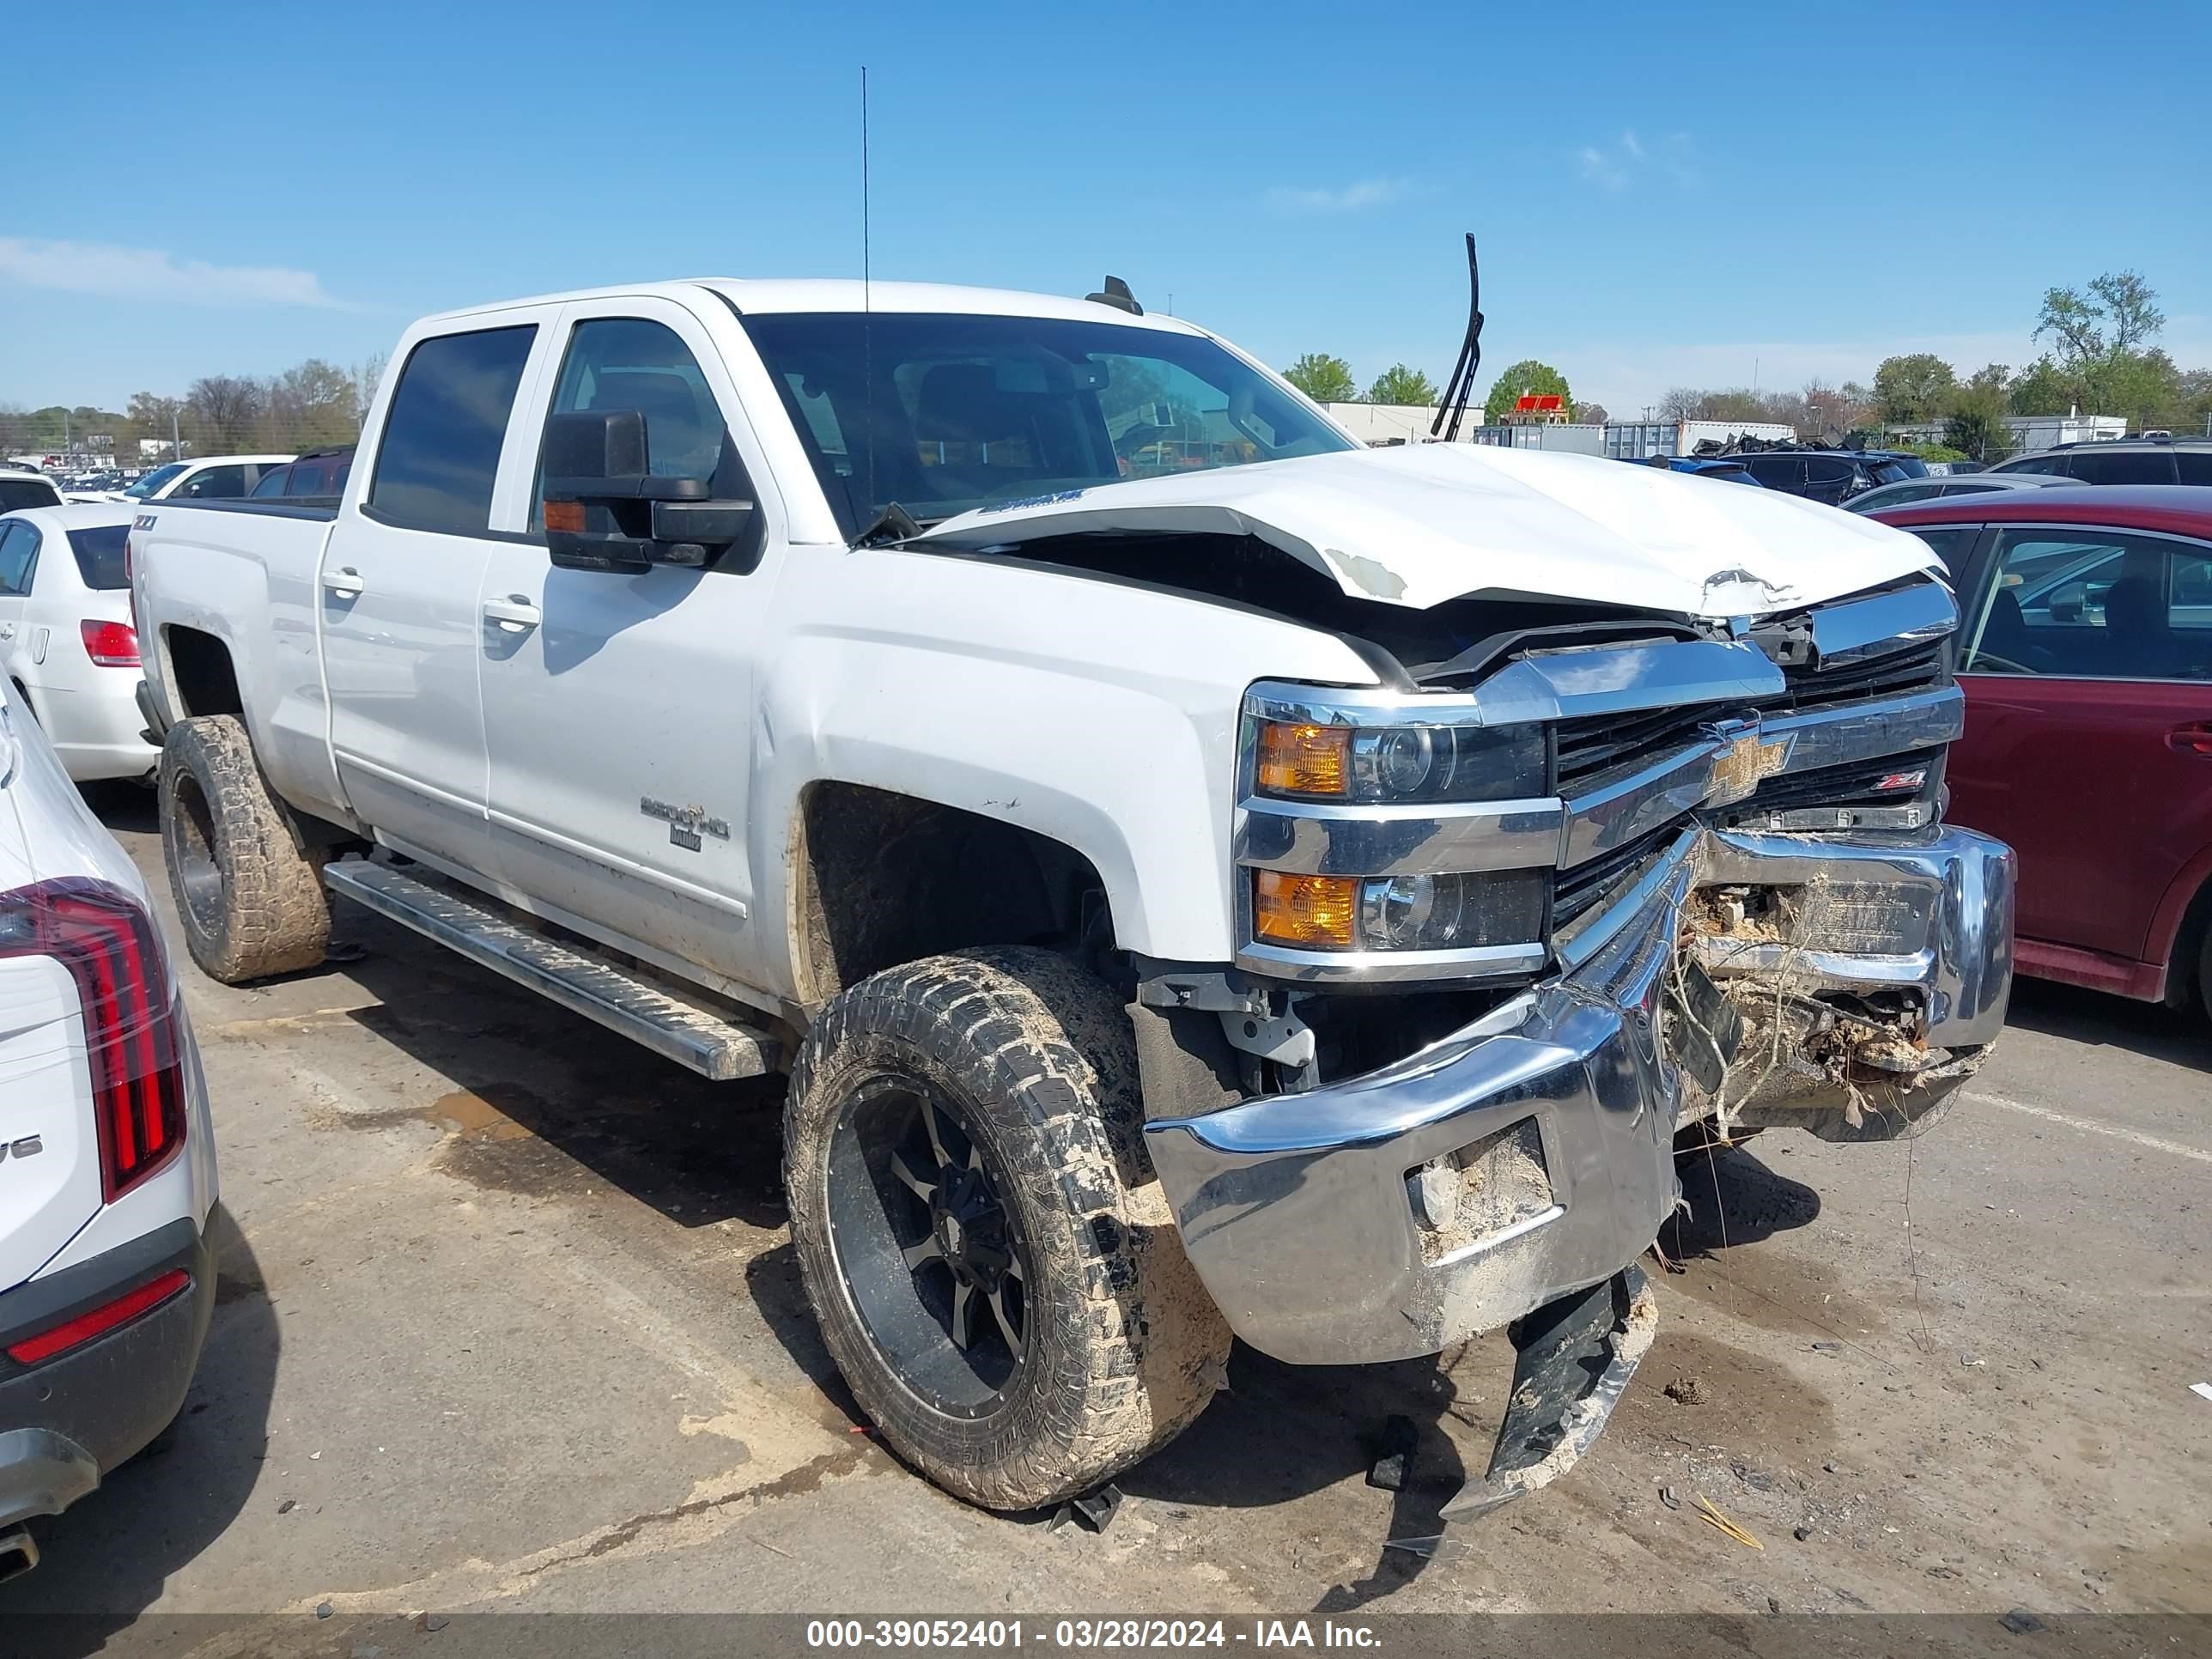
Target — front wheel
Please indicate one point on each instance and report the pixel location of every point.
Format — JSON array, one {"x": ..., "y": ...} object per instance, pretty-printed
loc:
[{"x": 993, "y": 1263}]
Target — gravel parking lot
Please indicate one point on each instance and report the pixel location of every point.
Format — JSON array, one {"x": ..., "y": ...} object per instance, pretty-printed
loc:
[{"x": 509, "y": 1320}]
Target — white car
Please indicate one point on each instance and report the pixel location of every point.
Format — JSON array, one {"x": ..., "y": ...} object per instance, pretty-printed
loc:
[
  {"x": 209, "y": 478},
  {"x": 108, "y": 1175},
  {"x": 66, "y": 643}
]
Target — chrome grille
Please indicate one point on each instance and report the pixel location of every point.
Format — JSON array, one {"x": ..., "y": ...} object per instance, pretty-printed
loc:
[
  {"x": 1593, "y": 749},
  {"x": 1900, "y": 674}
]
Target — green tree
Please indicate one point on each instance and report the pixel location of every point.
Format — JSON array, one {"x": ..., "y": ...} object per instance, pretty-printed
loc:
[
  {"x": 2042, "y": 388},
  {"x": 2101, "y": 354},
  {"x": 1400, "y": 385},
  {"x": 1525, "y": 378},
  {"x": 1976, "y": 424},
  {"x": 1915, "y": 387},
  {"x": 1324, "y": 378}
]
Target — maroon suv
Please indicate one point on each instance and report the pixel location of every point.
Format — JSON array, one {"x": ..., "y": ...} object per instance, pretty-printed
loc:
[{"x": 2086, "y": 653}]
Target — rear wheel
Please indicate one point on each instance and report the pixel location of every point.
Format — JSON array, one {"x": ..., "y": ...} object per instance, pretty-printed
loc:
[
  {"x": 250, "y": 900},
  {"x": 993, "y": 1266}
]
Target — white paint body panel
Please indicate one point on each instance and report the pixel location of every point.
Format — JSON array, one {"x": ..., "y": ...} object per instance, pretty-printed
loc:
[
  {"x": 50, "y": 1214},
  {"x": 1102, "y": 715}
]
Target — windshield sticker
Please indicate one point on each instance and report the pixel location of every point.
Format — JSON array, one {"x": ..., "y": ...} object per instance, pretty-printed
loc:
[{"x": 1054, "y": 500}]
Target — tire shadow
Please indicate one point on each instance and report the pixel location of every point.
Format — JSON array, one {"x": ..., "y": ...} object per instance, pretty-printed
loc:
[{"x": 108, "y": 1558}]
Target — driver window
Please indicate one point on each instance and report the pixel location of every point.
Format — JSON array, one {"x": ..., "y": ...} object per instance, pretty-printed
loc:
[{"x": 628, "y": 362}]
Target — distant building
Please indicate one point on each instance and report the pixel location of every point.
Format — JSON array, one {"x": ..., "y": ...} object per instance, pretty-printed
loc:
[
  {"x": 2034, "y": 432},
  {"x": 1378, "y": 424}
]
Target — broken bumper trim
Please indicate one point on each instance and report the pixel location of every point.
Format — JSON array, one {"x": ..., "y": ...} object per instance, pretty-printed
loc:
[
  {"x": 1297, "y": 1210},
  {"x": 1576, "y": 1357}
]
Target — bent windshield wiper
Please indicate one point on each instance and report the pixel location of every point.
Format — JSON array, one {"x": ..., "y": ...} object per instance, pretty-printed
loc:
[
  {"x": 1461, "y": 386},
  {"x": 892, "y": 525}
]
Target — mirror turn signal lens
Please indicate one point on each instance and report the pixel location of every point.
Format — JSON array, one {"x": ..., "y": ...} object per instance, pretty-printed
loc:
[
  {"x": 1299, "y": 759},
  {"x": 565, "y": 515},
  {"x": 1315, "y": 913}
]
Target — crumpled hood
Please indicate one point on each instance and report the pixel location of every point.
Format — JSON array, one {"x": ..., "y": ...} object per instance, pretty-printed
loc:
[{"x": 1419, "y": 525}]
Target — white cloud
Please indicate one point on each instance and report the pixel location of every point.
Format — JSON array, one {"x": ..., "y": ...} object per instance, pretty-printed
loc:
[
  {"x": 1600, "y": 169},
  {"x": 1367, "y": 193},
  {"x": 1615, "y": 166},
  {"x": 145, "y": 273}
]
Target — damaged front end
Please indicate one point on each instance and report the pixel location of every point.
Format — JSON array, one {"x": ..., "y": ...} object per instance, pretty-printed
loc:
[
  {"x": 1866, "y": 982},
  {"x": 1732, "y": 899}
]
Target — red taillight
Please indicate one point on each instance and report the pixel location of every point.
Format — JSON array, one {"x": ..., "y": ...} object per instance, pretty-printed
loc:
[
  {"x": 86, "y": 1326},
  {"x": 107, "y": 942},
  {"x": 111, "y": 644}
]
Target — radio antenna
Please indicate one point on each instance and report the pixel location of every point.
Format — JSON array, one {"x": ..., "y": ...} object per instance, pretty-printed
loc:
[{"x": 867, "y": 301}]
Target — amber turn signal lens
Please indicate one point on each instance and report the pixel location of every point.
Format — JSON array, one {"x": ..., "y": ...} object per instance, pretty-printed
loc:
[
  {"x": 1297, "y": 759},
  {"x": 1315, "y": 912},
  {"x": 565, "y": 515}
]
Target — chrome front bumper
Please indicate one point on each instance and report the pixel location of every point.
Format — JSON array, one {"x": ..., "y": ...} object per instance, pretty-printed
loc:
[{"x": 1302, "y": 1211}]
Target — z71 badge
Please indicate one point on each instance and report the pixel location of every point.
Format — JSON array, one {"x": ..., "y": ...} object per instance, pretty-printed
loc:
[{"x": 686, "y": 823}]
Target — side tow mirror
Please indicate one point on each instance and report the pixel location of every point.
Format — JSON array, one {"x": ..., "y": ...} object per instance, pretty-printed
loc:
[{"x": 603, "y": 511}]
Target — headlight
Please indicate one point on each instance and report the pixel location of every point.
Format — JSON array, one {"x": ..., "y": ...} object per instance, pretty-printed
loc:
[
  {"x": 1297, "y": 760},
  {"x": 1397, "y": 913}
]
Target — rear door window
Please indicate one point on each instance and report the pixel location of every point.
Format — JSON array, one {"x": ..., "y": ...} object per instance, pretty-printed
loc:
[
  {"x": 1778, "y": 471},
  {"x": 1827, "y": 479},
  {"x": 272, "y": 483},
  {"x": 2126, "y": 466},
  {"x": 439, "y": 458},
  {"x": 2046, "y": 465},
  {"x": 2194, "y": 466},
  {"x": 215, "y": 483},
  {"x": 100, "y": 556}
]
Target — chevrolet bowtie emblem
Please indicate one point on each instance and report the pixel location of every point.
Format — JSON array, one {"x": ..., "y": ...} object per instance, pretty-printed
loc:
[{"x": 1742, "y": 764}]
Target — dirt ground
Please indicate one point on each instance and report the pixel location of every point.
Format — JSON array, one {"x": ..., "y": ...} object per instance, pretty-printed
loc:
[{"x": 509, "y": 1321}]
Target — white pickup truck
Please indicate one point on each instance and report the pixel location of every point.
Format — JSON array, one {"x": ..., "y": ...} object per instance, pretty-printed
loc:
[{"x": 1200, "y": 875}]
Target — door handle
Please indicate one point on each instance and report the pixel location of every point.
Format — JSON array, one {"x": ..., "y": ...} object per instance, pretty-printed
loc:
[
  {"x": 7, "y": 630},
  {"x": 345, "y": 583},
  {"x": 514, "y": 615},
  {"x": 2195, "y": 738}
]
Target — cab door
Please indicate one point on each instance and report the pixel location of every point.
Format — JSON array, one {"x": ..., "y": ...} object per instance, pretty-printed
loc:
[
  {"x": 397, "y": 594},
  {"x": 618, "y": 710}
]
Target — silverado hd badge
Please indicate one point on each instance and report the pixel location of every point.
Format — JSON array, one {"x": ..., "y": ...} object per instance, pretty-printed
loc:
[{"x": 686, "y": 823}]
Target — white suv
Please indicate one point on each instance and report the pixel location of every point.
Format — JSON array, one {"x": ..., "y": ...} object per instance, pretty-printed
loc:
[{"x": 107, "y": 1178}]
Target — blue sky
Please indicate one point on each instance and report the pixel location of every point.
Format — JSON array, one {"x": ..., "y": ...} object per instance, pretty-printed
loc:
[{"x": 1663, "y": 195}]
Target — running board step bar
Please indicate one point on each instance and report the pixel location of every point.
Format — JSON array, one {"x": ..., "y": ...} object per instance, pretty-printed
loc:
[{"x": 710, "y": 1044}]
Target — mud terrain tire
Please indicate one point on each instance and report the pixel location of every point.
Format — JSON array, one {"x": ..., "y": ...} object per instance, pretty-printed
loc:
[
  {"x": 1033, "y": 1061},
  {"x": 250, "y": 900}
]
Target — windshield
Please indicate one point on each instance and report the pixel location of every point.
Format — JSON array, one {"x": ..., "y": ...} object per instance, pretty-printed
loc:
[
  {"x": 972, "y": 411},
  {"x": 144, "y": 488}
]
